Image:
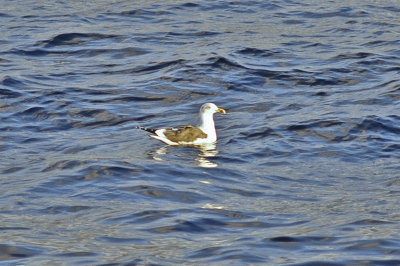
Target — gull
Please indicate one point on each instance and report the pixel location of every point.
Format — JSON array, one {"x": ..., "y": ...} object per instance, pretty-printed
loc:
[{"x": 190, "y": 135}]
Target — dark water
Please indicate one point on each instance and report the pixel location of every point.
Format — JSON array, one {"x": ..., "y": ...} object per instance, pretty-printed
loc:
[{"x": 306, "y": 170}]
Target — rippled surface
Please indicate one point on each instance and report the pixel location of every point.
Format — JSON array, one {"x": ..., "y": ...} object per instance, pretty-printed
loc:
[{"x": 306, "y": 169}]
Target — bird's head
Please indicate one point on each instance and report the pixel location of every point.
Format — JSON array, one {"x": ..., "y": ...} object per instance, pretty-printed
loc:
[{"x": 211, "y": 108}]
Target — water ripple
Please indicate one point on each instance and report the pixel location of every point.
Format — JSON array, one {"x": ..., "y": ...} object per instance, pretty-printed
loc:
[{"x": 306, "y": 166}]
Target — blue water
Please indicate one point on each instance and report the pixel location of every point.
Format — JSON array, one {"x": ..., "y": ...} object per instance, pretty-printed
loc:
[{"x": 306, "y": 168}]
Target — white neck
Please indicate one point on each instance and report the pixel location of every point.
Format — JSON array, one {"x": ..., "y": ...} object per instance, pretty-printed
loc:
[{"x": 208, "y": 126}]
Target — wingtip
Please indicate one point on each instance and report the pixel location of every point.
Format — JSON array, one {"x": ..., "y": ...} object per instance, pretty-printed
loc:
[{"x": 147, "y": 129}]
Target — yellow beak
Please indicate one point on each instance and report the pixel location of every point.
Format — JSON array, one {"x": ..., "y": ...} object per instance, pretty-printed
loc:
[{"x": 222, "y": 111}]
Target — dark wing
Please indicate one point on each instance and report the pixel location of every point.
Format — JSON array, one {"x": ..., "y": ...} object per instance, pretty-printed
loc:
[{"x": 184, "y": 134}]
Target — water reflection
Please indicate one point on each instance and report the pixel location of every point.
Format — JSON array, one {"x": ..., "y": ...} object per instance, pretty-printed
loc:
[
  {"x": 206, "y": 151},
  {"x": 160, "y": 152}
]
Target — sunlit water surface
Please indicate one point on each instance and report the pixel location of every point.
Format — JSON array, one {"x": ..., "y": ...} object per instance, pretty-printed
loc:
[{"x": 306, "y": 168}]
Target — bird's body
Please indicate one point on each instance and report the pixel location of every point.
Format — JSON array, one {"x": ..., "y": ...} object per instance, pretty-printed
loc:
[{"x": 191, "y": 135}]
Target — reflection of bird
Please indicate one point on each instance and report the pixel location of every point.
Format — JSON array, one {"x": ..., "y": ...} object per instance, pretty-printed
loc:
[
  {"x": 207, "y": 151},
  {"x": 190, "y": 135}
]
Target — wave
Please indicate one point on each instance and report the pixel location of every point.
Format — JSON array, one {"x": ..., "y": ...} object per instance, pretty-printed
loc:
[
  {"x": 352, "y": 129},
  {"x": 90, "y": 52},
  {"x": 75, "y": 39}
]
